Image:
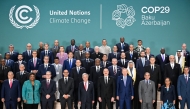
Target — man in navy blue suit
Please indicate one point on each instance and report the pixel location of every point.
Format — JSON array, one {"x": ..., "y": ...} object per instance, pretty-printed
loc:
[
  {"x": 87, "y": 62},
  {"x": 72, "y": 47},
  {"x": 13, "y": 54},
  {"x": 11, "y": 93},
  {"x": 34, "y": 63},
  {"x": 18, "y": 63},
  {"x": 114, "y": 54},
  {"x": 123, "y": 62},
  {"x": 122, "y": 46},
  {"x": 48, "y": 53},
  {"x": 27, "y": 55},
  {"x": 105, "y": 63},
  {"x": 69, "y": 63},
  {"x": 41, "y": 75},
  {"x": 125, "y": 92},
  {"x": 186, "y": 54},
  {"x": 87, "y": 48},
  {"x": 9, "y": 62},
  {"x": 148, "y": 54}
]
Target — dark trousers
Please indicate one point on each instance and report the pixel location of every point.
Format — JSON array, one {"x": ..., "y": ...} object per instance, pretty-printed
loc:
[
  {"x": 19, "y": 105},
  {"x": 76, "y": 98},
  {"x": 1, "y": 105},
  {"x": 86, "y": 105},
  {"x": 106, "y": 101},
  {"x": 31, "y": 106},
  {"x": 96, "y": 99},
  {"x": 136, "y": 93},
  {"x": 47, "y": 105},
  {"x": 68, "y": 101},
  {"x": 11, "y": 104}
]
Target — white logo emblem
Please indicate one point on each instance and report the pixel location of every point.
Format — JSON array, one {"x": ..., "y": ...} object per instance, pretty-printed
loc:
[
  {"x": 123, "y": 9},
  {"x": 24, "y": 20}
]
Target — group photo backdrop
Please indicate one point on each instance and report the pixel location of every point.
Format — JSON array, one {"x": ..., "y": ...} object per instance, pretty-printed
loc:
[{"x": 158, "y": 23}]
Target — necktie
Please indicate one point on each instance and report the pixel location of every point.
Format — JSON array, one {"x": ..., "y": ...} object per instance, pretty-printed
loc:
[
  {"x": 162, "y": 57},
  {"x": 123, "y": 62},
  {"x": 87, "y": 49},
  {"x": 11, "y": 83},
  {"x": 21, "y": 74},
  {"x": 78, "y": 70},
  {"x": 87, "y": 60},
  {"x": 34, "y": 62},
  {"x": 114, "y": 71},
  {"x": 72, "y": 48},
  {"x": 85, "y": 85},
  {"x": 186, "y": 79},
  {"x": 65, "y": 80},
  {"x": 121, "y": 46},
  {"x": 48, "y": 84},
  {"x": 184, "y": 53},
  {"x": 131, "y": 54},
  {"x": 28, "y": 53},
  {"x": 70, "y": 63},
  {"x": 104, "y": 64},
  {"x": 98, "y": 69},
  {"x": 80, "y": 54},
  {"x": 147, "y": 83},
  {"x": 172, "y": 66},
  {"x": 46, "y": 52},
  {"x": 105, "y": 80},
  {"x": 7, "y": 62},
  {"x": 124, "y": 81},
  {"x": 143, "y": 62},
  {"x": 152, "y": 68},
  {"x": 46, "y": 67}
]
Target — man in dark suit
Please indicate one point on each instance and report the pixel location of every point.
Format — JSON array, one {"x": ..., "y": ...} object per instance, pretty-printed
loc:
[
  {"x": 155, "y": 75},
  {"x": 186, "y": 54},
  {"x": 9, "y": 62},
  {"x": 69, "y": 63},
  {"x": 18, "y": 63},
  {"x": 76, "y": 74},
  {"x": 87, "y": 62},
  {"x": 161, "y": 60},
  {"x": 34, "y": 63},
  {"x": 48, "y": 53},
  {"x": 43, "y": 68},
  {"x": 122, "y": 46},
  {"x": 148, "y": 54},
  {"x": 13, "y": 54},
  {"x": 172, "y": 71},
  {"x": 123, "y": 62},
  {"x": 10, "y": 92},
  {"x": 106, "y": 90},
  {"x": 114, "y": 54},
  {"x": 105, "y": 63},
  {"x": 55, "y": 49},
  {"x": 139, "y": 47},
  {"x": 66, "y": 88},
  {"x": 21, "y": 76},
  {"x": 72, "y": 47},
  {"x": 27, "y": 55},
  {"x": 95, "y": 72},
  {"x": 40, "y": 49},
  {"x": 131, "y": 54},
  {"x": 80, "y": 54},
  {"x": 96, "y": 54},
  {"x": 48, "y": 89},
  {"x": 87, "y": 48},
  {"x": 1, "y": 57}
]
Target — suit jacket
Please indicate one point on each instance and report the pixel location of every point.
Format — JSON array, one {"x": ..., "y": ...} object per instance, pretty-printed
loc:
[
  {"x": 55, "y": 51},
  {"x": 67, "y": 88},
  {"x": 140, "y": 68},
  {"x": 183, "y": 87},
  {"x": 86, "y": 95},
  {"x": 1, "y": 57},
  {"x": 14, "y": 56},
  {"x": 10, "y": 64},
  {"x": 112, "y": 55},
  {"x": 107, "y": 64},
  {"x": 91, "y": 50},
  {"x": 134, "y": 57},
  {"x": 147, "y": 94},
  {"x": 94, "y": 75},
  {"x": 162, "y": 63},
  {"x": 155, "y": 75},
  {"x": 68, "y": 49},
  {"x": 77, "y": 55},
  {"x": 125, "y": 47},
  {"x": 42, "y": 71},
  {"x": 121, "y": 64},
  {"x": 31, "y": 64},
  {"x": 51, "y": 89},
  {"x": 4, "y": 73},
  {"x": 77, "y": 76},
  {"x": 39, "y": 50},
  {"x": 169, "y": 95},
  {"x": 22, "y": 78},
  {"x": 87, "y": 64},
  {"x": 11, "y": 93},
  {"x": 106, "y": 90},
  {"x": 94, "y": 56},
  {"x": 111, "y": 72},
  {"x": 58, "y": 71},
  {"x": 125, "y": 91},
  {"x": 16, "y": 66},
  {"x": 26, "y": 57},
  {"x": 173, "y": 74},
  {"x": 148, "y": 57},
  {"x": 50, "y": 54},
  {"x": 67, "y": 66}
]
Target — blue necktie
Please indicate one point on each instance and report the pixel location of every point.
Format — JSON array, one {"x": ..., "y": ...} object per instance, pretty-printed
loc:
[
  {"x": 121, "y": 46},
  {"x": 124, "y": 81},
  {"x": 143, "y": 61},
  {"x": 70, "y": 63}
]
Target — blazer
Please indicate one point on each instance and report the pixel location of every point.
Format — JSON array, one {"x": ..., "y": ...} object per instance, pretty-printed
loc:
[
  {"x": 112, "y": 55},
  {"x": 11, "y": 93},
  {"x": 62, "y": 58},
  {"x": 67, "y": 66},
  {"x": 107, "y": 64},
  {"x": 86, "y": 95},
  {"x": 55, "y": 51},
  {"x": 77, "y": 76},
  {"x": 4, "y": 73},
  {"x": 106, "y": 90},
  {"x": 148, "y": 57},
  {"x": 22, "y": 78},
  {"x": 67, "y": 88},
  {"x": 162, "y": 63},
  {"x": 16, "y": 66},
  {"x": 10, "y": 64},
  {"x": 58, "y": 71},
  {"x": 91, "y": 50},
  {"x": 68, "y": 49},
  {"x": 87, "y": 64},
  {"x": 183, "y": 87},
  {"x": 50, "y": 54},
  {"x": 147, "y": 94},
  {"x": 125, "y": 91},
  {"x": 32, "y": 96},
  {"x": 26, "y": 57},
  {"x": 111, "y": 73},
  {"x": 94, "y": 56},
  {"x": 169, "y": 95},
  {"x": 42, "y": 71},
  {"x": 132, "y": 57},
  {"x": 140, "y": 68},
  {"x": 48, "y": 90},
  {"x": 77, "y": 55},
  {"x": 14, "y": 56},
  {"x": 125, "y": 47},
  {"x": 39, "y": 50},
  {"x": 119, "y": 63},
  {"x": 31, "y": 65}
]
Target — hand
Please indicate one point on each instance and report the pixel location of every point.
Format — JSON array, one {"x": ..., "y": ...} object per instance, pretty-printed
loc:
[
  {"x": 112, "y": 99},
  {"x": 153, "y": 101},
  {"x": 179, "y": 97},
  {"x": 132, "y": 97},
  {"x": 140, "y": 101},
  {"x": 161, "y": 102},
  {"x": 34, "y": 71},
  {"x": 25, "y": 101},
  {"x": 18, "y": 99},
  {"x": 117, "y": 97},
  {"x": 159, "y": 85},
  {"x": 174, "y": 102},
  {"x": 99, "y": 99},
  {"x": 65, "y": 96},
  {"x": 79, "y": 102},
  {"x": 92, "y": 102},
  {"x": 3, "y": 100},
  {"x": 47, "y": 96},
  {"x": 43, "y": 76}
]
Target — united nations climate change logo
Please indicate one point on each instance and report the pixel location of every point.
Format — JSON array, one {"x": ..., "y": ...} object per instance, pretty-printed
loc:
[
  {"x": 128, "y": 11},
  {"x": 24, "y": 21}
]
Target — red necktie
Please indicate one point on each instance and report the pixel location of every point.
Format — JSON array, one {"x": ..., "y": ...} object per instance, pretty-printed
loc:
[
  {"x": 10, "y": 83},
  {"x": 85, "y": 86},
  {"x": 34, "y": 62}
]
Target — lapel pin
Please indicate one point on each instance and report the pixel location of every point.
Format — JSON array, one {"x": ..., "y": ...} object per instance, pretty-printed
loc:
[{"x": 121, "y": 79}]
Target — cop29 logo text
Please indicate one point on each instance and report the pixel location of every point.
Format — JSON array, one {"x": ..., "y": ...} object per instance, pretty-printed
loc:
[
  {"x": 20, "y": 19},
  {"x": 129, "y": 12}
]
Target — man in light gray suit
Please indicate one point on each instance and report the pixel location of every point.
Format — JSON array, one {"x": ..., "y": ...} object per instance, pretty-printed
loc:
[
  {"x": 58, "y": 69},
  {"x": 147, "y": 92},
  {"x": 80, "y": 54}
]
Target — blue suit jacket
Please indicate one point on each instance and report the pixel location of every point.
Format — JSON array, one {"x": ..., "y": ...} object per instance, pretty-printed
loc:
[
  {"x": 125, "y": 92},
  {"x": 50, "y": 54},
  {"x": 10, "y": 64},
  {"x": 26, "y": 57},
  {"x": 183, "y": 88},
  {"x": 48, "y": 90},
  {"x": 14, "y": 56},
  {"x": 31, "y": 65},
  {"x": 169, "y": 95},
  {"x": 91, "y": 50},
  {"x": 111, "y": 73},
  {"x": 67, "y": 66},
  {"x": 107, "y": 64},
  {"x": 125, "y": 47},
  {"x": 68, "y": 49},
  {"x": 162, "y": 63},
  {"x": 42, "y": 71},
  {"x": 140, "y": 68},
  {"x": 11, "y": 93},
  {"x": 111, "y": 56}
]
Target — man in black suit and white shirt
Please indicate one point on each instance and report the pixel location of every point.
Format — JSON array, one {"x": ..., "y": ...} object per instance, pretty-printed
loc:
[
  {"x": 87, "y": 62},
  {"x": 114, "y": 54},
  {"x": 80, "y": 54},
  {"x": 87, "y": 48},
  {"x": 55, "y": 49},
  {"x": 122, "y": 46},
  {"x": 105, "y": 63},
  {"x": 131, "y": 54},
  {"x": 148, "y": 54},
  {"x": 123, "y": 62}
]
